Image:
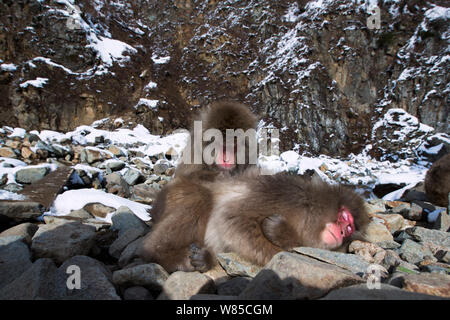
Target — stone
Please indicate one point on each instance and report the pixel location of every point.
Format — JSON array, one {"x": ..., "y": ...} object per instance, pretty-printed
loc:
[
  {"x": 415, "y": 213},
  {"x": 137, "y": 293},
  {"x": 436, "y": 237},
  {"x": 31, "y": 175},
  {"x": 124, "y": 219},
  {"x": 80, "y": 214},
  {"x": 294, "y": 276},
  {"x": 143, "y": 193},
  {"x": 15, "y": 258},
  {"x": 435, "y": 267},
  {"x": 95, "y": 280},
  {"x": 130, "y": 252},
  {"x": 183, "y": 285},
  {"x": 91, "y": 155},
  {"x": 365, "y": 250},
  {"x": 428, "y": 283},
  {"x": 62, "y": 241},
  {"x": 236, "y": 266},
  {"x": 399, "y": 207},
  {"x": 149, "y": 275},
  {"x": 128, "y": 236},
  {"x": 24, "y": 230},
  {"x": 115, "y": 184},
  {"x": 27, "y": 153},
  {"x": 377, "y": 232},
  {"x": 161, "y": 166},
  {"x": 133, "y": 177},
  {"x": 98, "y": 209},
  {"x": 442, "y": 222},
  {"x": 7, "y": 153},
  {"x": 413, "y": 252},
  {"x": 394, "y": 222},
  {"x": 234, "y": 286},
  {"x": 385, "y": 292},
  {"x": 115, "y": 165},
  {"x": 21, "y": 209},
  {"x": 36, "y": 283},
  {"x": 115, "y": 151},
  {"x": 209, "y": 297}
]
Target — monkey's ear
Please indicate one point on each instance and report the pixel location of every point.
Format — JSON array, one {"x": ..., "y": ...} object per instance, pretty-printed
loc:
[{"x": 278, "y": 231}]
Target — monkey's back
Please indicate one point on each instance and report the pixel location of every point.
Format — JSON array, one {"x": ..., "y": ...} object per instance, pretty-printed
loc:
[{"x": 437, "y": 181}]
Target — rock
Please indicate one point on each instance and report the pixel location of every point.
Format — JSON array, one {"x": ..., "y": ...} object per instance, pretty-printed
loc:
[
  {"x": 377, "y": 232},
  {"x": 15, "y": 258},
  {"x": 294, "y": 276},
  {"x": 143, "y": 193},
  {"x": 128, "y": 236},
  {"x": 234, "y": 286},
  {"x": 21, "y": 209},
  {"x": 91, "y": 155},
  {"x": 116, "y": 151},
  {"x": 13, "y": 187},
  {"x": 124, "y": 219},
  {"x": 133, "y": 177},
  {"x": 115, "y": 184},
  {"x": 97, "y": 224},
  {"x": 209, "y": 297},
  {"x": 365, "y": 250},
  {"x": 98, "y": 209},
  {"x": 27, "y": 153},
  {"x": 62, "y": 241},
  {"x": 217, "y": 274},
  {"x": 391, "y": 259},
  {"x": 130, "y": 252},
  {"x": 3, "y": 179},
  {"x": 25, "y": 231},
  {"x": 374, "y": 208},
  {"x": 31, "y": 175},
  {"x": 351, "y": 262},
  {"x": 435, "y": 267},
  {"x": 442, "y": 222},
  {"x": 95, "y": 280},
  {"x": 80, "y": 214},
  {"x": 150, "y": 275},
  {"x": 137, "y": 293},
  {"x": 183, "y": 285},
  {"x": 169, "y": 172},
  {"x": 236, "y": 266},
  {"x": 443, "y": 256},
  {"x": 428, "y": 283},
  {"x": 415, "y": 213},
  {"x": 436, "y": 237},
  {"x": 7, "y": 153},
  {"x": 161, "y": 166},
  {"x": 115, "y": 165},
  {"x": 413, "y": 252},
  {"x": 388, "y": 245},
  {"x": 36, "y": 283},
  {"x": 386, "y": 292},
  {"x": 394, "y": 222}
]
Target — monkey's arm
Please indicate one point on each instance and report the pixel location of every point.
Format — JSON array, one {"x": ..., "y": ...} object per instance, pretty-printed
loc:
[{"x": 278, "y": 231}]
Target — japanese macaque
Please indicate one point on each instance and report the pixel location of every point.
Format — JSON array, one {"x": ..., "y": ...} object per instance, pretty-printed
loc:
[
  {"x": 255, "y": 216},
  {"x": 220, "y": 116},
  {"x": 437, "y": 181}
]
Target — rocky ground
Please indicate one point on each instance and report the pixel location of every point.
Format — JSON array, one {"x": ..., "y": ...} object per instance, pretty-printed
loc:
[{"x": 95, "y": 194}]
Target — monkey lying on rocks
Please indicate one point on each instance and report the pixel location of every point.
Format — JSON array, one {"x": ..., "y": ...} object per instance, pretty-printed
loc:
[{"x": 255, "y": 216}]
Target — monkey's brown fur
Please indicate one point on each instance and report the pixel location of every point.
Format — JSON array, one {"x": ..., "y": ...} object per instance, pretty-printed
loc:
[
  {"x": 221, "y": 116},
  {"x": 252, "y": 215},
  {"x": 437, "y": 181}
]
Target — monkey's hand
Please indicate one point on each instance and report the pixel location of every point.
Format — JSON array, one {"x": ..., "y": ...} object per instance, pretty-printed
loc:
[{"x": 200, "y": 258}]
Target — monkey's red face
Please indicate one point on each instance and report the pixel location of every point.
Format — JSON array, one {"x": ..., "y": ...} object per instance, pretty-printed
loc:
[
  {"x": 225, "y": 159},
  {"x": 335, "y": 232}
]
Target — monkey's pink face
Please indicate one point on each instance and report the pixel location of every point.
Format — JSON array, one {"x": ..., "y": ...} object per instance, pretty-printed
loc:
[
  {"x": 225, "y": 160},
  {"x": 335, "y": 232}
]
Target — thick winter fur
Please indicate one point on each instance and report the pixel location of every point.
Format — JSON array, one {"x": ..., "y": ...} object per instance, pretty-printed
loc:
[
  {"x": 437, "y": 181},
  {"x": 255, "y": 216},
  {"x": 221, "y": 116}
]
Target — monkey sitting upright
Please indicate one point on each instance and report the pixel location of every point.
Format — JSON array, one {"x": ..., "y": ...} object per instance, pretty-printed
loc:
[
  {"x": 437, "y": 181},
  {"x": 220, "y": 116},
  {"x": 255, "y": 216}
]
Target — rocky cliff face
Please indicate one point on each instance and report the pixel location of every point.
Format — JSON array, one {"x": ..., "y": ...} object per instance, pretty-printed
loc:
[{"x": 312, "y": 68}]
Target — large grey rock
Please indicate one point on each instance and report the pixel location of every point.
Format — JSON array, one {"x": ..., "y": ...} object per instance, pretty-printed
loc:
[
  {"x": 21, "y": 209},
  {"x": 413, "y": 252},
  {"x": 133, "y": 176},
  {"x": 60, "y": 241},
  {"x": 377, "y": 232},
  {"x": 91, "y": 155},
  {"x": 124, "y": 219},
  {"x": 436, "y": 237},
  {"x": 385, "y": 292},
  {"x": 234, "y": 286},
  {"x": 294, "y": 276},
  {"x": 15, "y": 258},
  {"x": 116, "y": 184},
  {"x": 183, "y": 285},
  {"x": 95, "y": 279},
  {"x": 137, "y": 293},
  {"x": 351, "y": 262},
  {"x": 128, "y": 236},
  {"x": 98, "y": 209},
  {"x": 31, "y": 175},
  {"x": 143, "y": 193},
  {"x": 37, "y": 282},
  {"x": 427, "y": 283},
  {"x": 234, "y": 265},
  {"x": 150, "y": 275},
  {"x": 130, "y": 252},
  {"x": 24, "y": 230}
]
